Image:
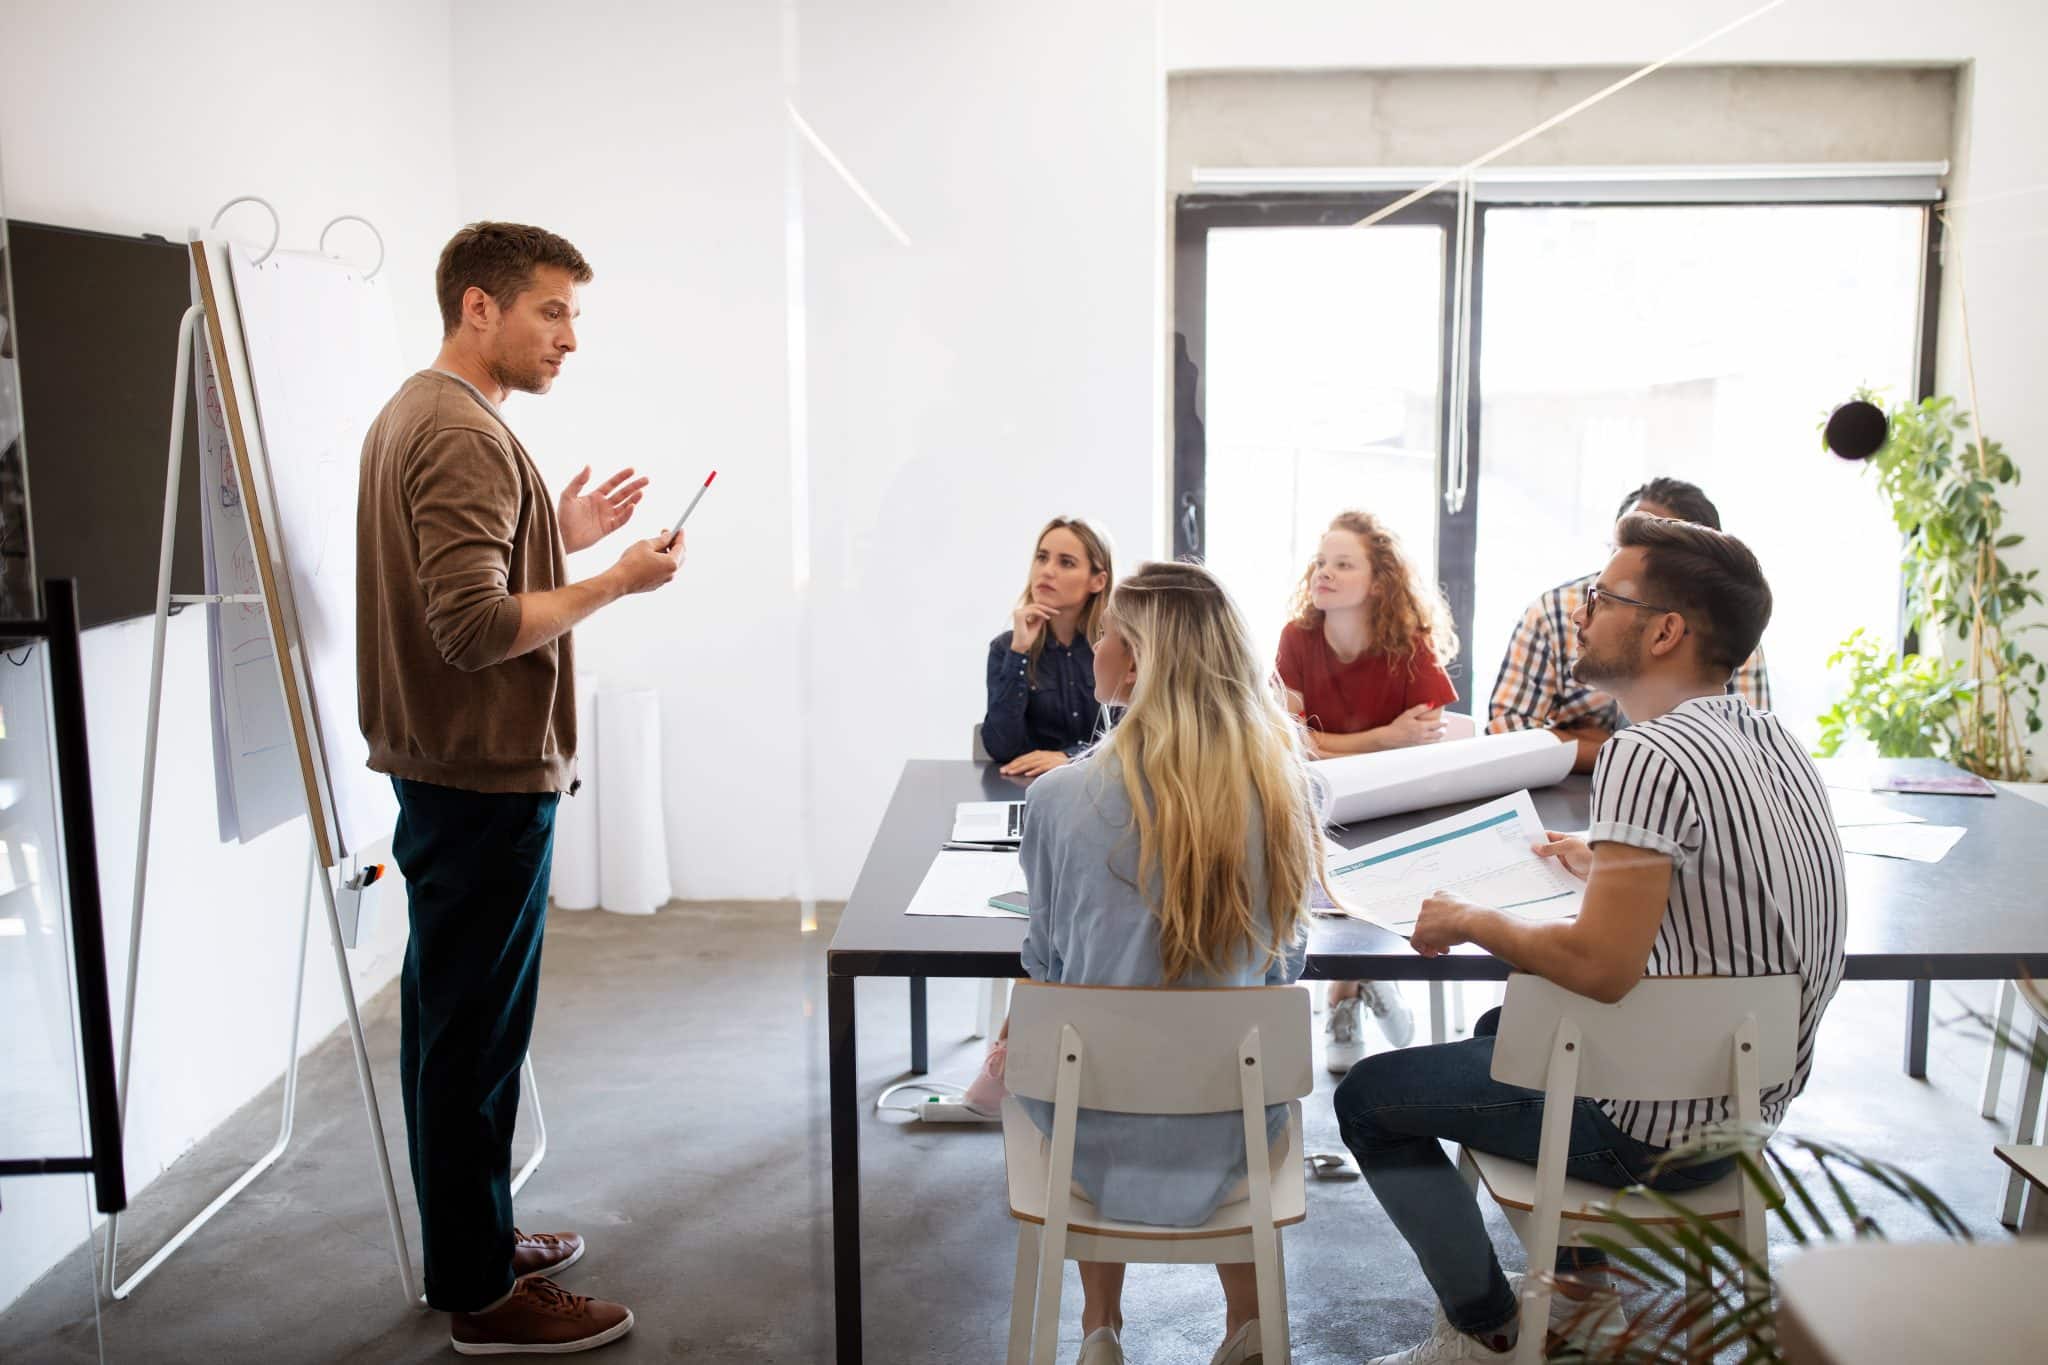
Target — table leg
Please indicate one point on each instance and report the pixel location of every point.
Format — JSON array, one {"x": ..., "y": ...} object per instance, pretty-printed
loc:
[
  {"x": 920, "y": 1052},
  {"x": 1919, "y": 1002},
  {"x": 845, "y": 1169}
]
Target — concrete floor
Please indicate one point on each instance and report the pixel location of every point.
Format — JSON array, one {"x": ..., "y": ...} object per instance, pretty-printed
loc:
[{"x": 682, "y": 1060}]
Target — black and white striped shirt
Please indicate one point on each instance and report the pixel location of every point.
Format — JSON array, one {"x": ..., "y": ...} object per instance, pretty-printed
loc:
[{"x": 1757, "y": 883}]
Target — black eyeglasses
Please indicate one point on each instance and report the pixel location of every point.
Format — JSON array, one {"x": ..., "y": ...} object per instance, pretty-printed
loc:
[{"x": 1596, "y": 594}]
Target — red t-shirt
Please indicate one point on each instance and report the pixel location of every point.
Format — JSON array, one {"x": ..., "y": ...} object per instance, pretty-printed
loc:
[{"x": 1370, "y": 691}]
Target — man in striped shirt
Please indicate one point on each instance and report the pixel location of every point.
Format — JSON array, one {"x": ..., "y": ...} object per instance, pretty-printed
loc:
[
  {"x": 1539, "y": 686},
  {"x": 1712, "y": 851}
]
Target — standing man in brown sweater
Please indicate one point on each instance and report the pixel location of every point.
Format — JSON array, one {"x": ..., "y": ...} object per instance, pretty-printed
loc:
[{"x": 463, "y": 613}]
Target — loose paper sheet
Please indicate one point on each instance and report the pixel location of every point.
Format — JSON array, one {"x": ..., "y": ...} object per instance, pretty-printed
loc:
[
  {"x": 960, "y": 882},
  {"x": 1922, "y": 843}
]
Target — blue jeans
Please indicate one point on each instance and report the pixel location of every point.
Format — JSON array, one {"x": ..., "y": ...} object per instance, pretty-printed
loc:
[
  {"x": 476, "y": 879},
  {"x": 1394, "y": 1106}
]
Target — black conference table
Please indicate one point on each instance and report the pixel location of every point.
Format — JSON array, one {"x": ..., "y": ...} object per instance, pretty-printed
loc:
[{"x": 1974, "y": 916}]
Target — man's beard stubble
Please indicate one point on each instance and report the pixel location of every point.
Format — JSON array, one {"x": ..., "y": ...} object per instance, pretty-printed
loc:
[
  {"x": 1604, "y": 670},
  {"x": 533, "y": 379}
]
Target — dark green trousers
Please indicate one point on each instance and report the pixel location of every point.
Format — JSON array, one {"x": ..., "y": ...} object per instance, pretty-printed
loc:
[{"x": 476, "y": 881}]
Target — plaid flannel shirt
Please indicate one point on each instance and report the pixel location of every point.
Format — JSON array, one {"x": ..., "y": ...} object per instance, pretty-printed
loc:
[{"x": 1536, "y": 688}]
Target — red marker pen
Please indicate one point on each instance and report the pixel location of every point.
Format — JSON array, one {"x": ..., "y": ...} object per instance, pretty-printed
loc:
[{"x": 677, "y": 529}]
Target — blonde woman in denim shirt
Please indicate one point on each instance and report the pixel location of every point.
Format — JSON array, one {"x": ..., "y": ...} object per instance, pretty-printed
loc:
[{"x": 1178, "y": 852}]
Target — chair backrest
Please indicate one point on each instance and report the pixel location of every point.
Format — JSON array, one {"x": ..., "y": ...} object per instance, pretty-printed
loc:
[
  {"x": 1160, "y": 1050},
  {"x": 976, "y": 749},
  {"x": 1667, "y": 1039}
]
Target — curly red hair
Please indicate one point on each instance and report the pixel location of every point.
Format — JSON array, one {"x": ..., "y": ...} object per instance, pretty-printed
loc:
[{"x": 1405, "y": 614}]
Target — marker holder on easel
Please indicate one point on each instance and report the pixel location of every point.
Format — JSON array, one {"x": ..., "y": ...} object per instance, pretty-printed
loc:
[{"x": 346, "y": 900}]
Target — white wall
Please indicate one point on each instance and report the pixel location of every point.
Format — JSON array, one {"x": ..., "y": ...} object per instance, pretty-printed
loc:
[
  {"x": 144, "y": 118},
  {"x": 960, "y": 390},
  {"x": 657, "y": 149},
  {"x": 2000, "y": 147},
  {"x": 998, "y": 371}
]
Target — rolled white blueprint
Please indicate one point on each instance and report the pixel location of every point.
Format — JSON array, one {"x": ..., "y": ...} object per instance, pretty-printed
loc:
[
  {"x": 632, "y": 837},
  {"x": 1395, "y": 781}
]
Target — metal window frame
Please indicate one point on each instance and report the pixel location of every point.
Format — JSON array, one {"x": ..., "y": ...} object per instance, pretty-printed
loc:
[
  {"x": 1195, "y": 216},
  {"x": 1457, "y": 533}
]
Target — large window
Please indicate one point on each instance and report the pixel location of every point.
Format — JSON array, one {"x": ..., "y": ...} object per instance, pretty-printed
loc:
[
  {"x": 1323, "y": 393},
  {"x": 1704, "y": 343},
  {"x": 1609, "y": 343}
]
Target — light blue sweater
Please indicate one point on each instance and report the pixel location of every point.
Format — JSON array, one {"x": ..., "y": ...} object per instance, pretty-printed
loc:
[{"x": 1090, "y": 927}]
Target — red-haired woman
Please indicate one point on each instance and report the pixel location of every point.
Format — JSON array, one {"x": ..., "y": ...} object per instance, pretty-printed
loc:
[{"x": 1363, "y": 664}]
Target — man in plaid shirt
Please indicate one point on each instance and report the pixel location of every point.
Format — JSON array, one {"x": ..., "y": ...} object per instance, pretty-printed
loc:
[{"x": 1537, "y": 688}]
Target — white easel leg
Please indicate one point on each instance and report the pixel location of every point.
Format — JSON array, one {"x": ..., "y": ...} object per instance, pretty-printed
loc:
[
  {"x": 540, "y": 1123},
  {"x": 110, "y": 1283},
  {"x": 369, "y": 1088}
]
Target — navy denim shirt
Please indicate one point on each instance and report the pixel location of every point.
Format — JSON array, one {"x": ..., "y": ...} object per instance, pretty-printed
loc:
[{"x": 1060, "y": 713}]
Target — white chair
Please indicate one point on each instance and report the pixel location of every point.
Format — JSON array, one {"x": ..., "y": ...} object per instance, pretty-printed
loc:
[
  {"x": 1994, "y": 1062},
  {"x": 1670, "y": 1038},
  {"x": 2026, "y": 1115},
  {"x": 1163, "y": 1051}
]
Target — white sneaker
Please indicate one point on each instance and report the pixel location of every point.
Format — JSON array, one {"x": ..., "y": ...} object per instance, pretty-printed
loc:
[
  {"x": 1396, "y": 1020},
  {"x": 1100, "y": 1347},
  {"x": 1445, "y": 1343},
  {"x": 1590, "y": 1326},
  {"x": 1342, "y": 1047},
  {"x": 1244, "y": 1347}
]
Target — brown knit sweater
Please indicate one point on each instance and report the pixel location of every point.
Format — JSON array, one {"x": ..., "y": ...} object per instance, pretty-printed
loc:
[{"x": 452, "y": 521}]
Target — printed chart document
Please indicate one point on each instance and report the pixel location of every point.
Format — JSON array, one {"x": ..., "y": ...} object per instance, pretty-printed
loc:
[
  {"x": 1481, "y": 854},
  {"x": 960, "y": 882}
]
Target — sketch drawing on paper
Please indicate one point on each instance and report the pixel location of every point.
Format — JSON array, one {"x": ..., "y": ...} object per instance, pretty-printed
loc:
[{"x": 256, "y": 778}]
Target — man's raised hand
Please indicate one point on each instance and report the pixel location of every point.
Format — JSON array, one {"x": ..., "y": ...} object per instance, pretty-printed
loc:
[{"x": 587, "y": 518}]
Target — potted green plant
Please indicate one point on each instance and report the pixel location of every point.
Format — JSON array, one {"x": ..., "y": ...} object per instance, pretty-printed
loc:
[
  {"x": 1945, "y": 483},
  {"x": 1816, "y": 1192},
  {"x": 1811, "y": 1190}
]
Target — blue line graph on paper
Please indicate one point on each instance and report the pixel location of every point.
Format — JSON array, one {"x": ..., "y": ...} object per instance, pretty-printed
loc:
[{"x": 1482, "y": 854}]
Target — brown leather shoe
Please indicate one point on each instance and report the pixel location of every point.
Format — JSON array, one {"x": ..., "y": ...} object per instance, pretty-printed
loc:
[
  {"x": 543, "y": 1253},
  {"x": 540, "y": 1318}
]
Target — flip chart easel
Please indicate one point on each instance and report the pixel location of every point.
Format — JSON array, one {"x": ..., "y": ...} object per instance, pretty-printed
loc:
[{"x": 337, "y": 833}]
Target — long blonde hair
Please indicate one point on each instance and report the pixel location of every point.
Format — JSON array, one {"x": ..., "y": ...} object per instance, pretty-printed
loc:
[
  {"x": 1204, "y": 738},
  {"x": 1096, "y": 546},
  {"x": 1405, "y": 613}
]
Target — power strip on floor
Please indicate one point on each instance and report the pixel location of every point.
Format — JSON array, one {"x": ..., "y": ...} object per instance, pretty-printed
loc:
[
  {"x": 937, "y": 1102},
  {"x": 938, "y": 1109}
]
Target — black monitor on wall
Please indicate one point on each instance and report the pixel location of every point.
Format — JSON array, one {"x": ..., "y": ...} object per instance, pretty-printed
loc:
[{"x": 95, "y": 323}]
